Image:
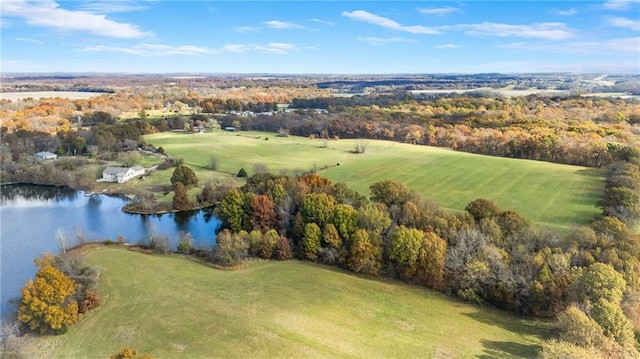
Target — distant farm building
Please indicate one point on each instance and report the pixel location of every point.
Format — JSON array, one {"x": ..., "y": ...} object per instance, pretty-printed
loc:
[
  {"x": 46, "y": 155},
  {"x": 121, "y": 174}
]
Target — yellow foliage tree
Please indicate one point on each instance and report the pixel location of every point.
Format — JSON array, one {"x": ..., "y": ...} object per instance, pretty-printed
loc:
[
  {"x": 127, "y": 353},
  {"x": 47, "y": 301}
]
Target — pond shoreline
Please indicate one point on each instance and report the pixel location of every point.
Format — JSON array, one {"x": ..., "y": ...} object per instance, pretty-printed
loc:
[
  {"x": 112, "y": 193},
  {"x": 34, "y": 218}
]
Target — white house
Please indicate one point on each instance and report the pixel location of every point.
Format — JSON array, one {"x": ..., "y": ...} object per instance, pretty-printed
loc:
[
  {"x": 46, "y": 155},
  {"x": 121, "y": 174}
]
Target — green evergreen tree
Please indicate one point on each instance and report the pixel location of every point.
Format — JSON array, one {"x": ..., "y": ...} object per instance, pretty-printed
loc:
[
  {"x": 181, "y": 201},
  {"x": 185, "y": 175}
]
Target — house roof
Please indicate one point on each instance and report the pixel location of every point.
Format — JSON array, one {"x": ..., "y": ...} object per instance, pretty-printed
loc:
[
  {"x": 137, "y": 168},
  {"x": 46, "y": 154},
  {"x": 114, "y": 170}
]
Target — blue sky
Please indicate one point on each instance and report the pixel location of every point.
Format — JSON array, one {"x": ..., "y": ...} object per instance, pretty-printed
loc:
[{"x": 375, "y": 37}]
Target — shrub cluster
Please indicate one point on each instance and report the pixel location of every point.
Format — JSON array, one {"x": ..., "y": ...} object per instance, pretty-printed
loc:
[{"x": 63, "y": 289}]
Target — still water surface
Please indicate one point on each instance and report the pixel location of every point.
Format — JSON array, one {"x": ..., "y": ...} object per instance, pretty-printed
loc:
[{"x": 32, "y": 216}]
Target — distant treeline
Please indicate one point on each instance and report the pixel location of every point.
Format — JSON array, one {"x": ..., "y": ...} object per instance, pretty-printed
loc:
[{"x": 574, "y": 130}]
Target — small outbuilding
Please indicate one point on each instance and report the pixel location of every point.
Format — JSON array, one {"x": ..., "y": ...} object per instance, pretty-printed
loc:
[{"x": 46, "y": 155}]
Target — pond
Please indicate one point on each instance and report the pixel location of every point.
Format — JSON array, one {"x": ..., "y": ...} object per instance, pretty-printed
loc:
[{"x": 33, "y": 217}]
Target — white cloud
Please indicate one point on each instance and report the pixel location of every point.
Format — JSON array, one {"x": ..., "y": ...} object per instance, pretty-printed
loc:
[
  {"x": 47, "y": 13},
  {"x": 328, "y": 23},
  {"x": 361, "y": 15},
  {"x": 244, "y": 29},
  {"x": 545, "y": 30},
  {"x": 111, "y": 7},
  {"x": 234, "y": 48},
  {"x": 538, "y": 66},
  {"x": 275, "y": 24},
  {"x": 378, "y": 41},
  {"x": 278, "y": 48},
  {"x": 25, "y": 39},
  {"x": 438, "y": 10},
  {"x": 568, "y": 12},
  {"x": 623, "y": 22},
  {"x": 627, "y": 44},
  {"x": 150, "y": 50},
  {"x": 619, "y": 4},
  {"x": 621, "y": 45},
  {"x": 447, "y": 46}
]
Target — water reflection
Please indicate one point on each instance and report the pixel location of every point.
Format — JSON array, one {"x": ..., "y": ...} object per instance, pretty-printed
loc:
[
  {"x": 182, "y": 218},
  {"x": 30, "y": 217},
  {"x": 25, "y": 195}
]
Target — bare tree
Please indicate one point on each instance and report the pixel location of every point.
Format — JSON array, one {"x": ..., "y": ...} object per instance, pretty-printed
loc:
[
  {"x": 62, "y": 239},
  {"x": 13, "y": 344}
]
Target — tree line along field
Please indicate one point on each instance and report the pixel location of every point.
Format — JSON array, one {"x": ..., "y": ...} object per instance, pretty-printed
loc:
[
  {"x": 553, "y": 195},
  {"x": 279, "y": 309}
]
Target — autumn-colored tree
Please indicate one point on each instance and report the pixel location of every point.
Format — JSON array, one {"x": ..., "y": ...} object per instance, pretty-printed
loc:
[
  {"x": 181, "y": 201},
  {"x": 330, "y": 236},
  {"x": 232, "y": 210},
  {"x": 283, "y": 249},
  {"x": 317, "y": 208},
  {"x": 230, "y": 249},
  {"x": 613, "y": 321},
  {"x": 255, "y": 242},
  {"x": 127, "y": 353},
  {"x": 511, "y": 222},
  {"x": 364, "y": 256},
  {"x": 392, "y": 193},
  {"x": 344, "y": 218},
  {"x": 431, "y": 257},
  {"x": 374, "y": 218},
  {"x": 276, "y": 192},
  {"x": 315, "y": 182},
  {"x": 409, "y": 215},
  {"x": 263, "y": 245},
  {"x": 297, "y": 228},
  {"x": 263, "y": 215},
  {"x": 482, "y": 208},
  {"x": 600, "y": 289},
  {"x": 270, "y": 239},
  {"x": 343, "y": 194},
  {"x": 48, "y": 303},
  {"x": 405, "y": 246},
  {"x": 599, "y": 281},
  {"x": 610, "y": 228},
  {"x": 311, "y": 240},
  {"x": 185, "y": 175}
]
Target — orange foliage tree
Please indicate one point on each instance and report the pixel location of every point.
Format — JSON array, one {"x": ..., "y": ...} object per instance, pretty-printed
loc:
[
  {"x": 48, "y": 303},
  {"x": 127, "y": 353}
]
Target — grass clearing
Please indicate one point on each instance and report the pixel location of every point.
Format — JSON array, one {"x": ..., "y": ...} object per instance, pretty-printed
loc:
[
  {"x": 72, "y": 95},
  {"x": 549, "y": 194},
  {"x": 170, "y": 306}
]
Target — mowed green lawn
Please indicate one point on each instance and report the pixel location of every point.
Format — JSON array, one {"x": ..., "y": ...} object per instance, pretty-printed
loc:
[
  {"x": 173, "y": 307},
  {"x": 553, "y": 195}
]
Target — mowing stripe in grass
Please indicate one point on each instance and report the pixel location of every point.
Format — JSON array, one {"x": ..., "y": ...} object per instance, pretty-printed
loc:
[
  {"x": 170, "y": 307},
  {"x": 548, "y": 194}
]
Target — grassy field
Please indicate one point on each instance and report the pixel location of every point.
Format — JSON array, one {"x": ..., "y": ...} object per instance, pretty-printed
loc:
[
  {"x": 553, "y": 195},
  {"x": 172, "y": 307},
  {"x": 73, "y": 95}
]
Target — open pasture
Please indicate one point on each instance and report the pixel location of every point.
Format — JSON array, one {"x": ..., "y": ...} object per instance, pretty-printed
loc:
[
  {"x": 548, "y": 194},
  {"x": 173, "y": 307},
  {"x": 72, "y": 95}
]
